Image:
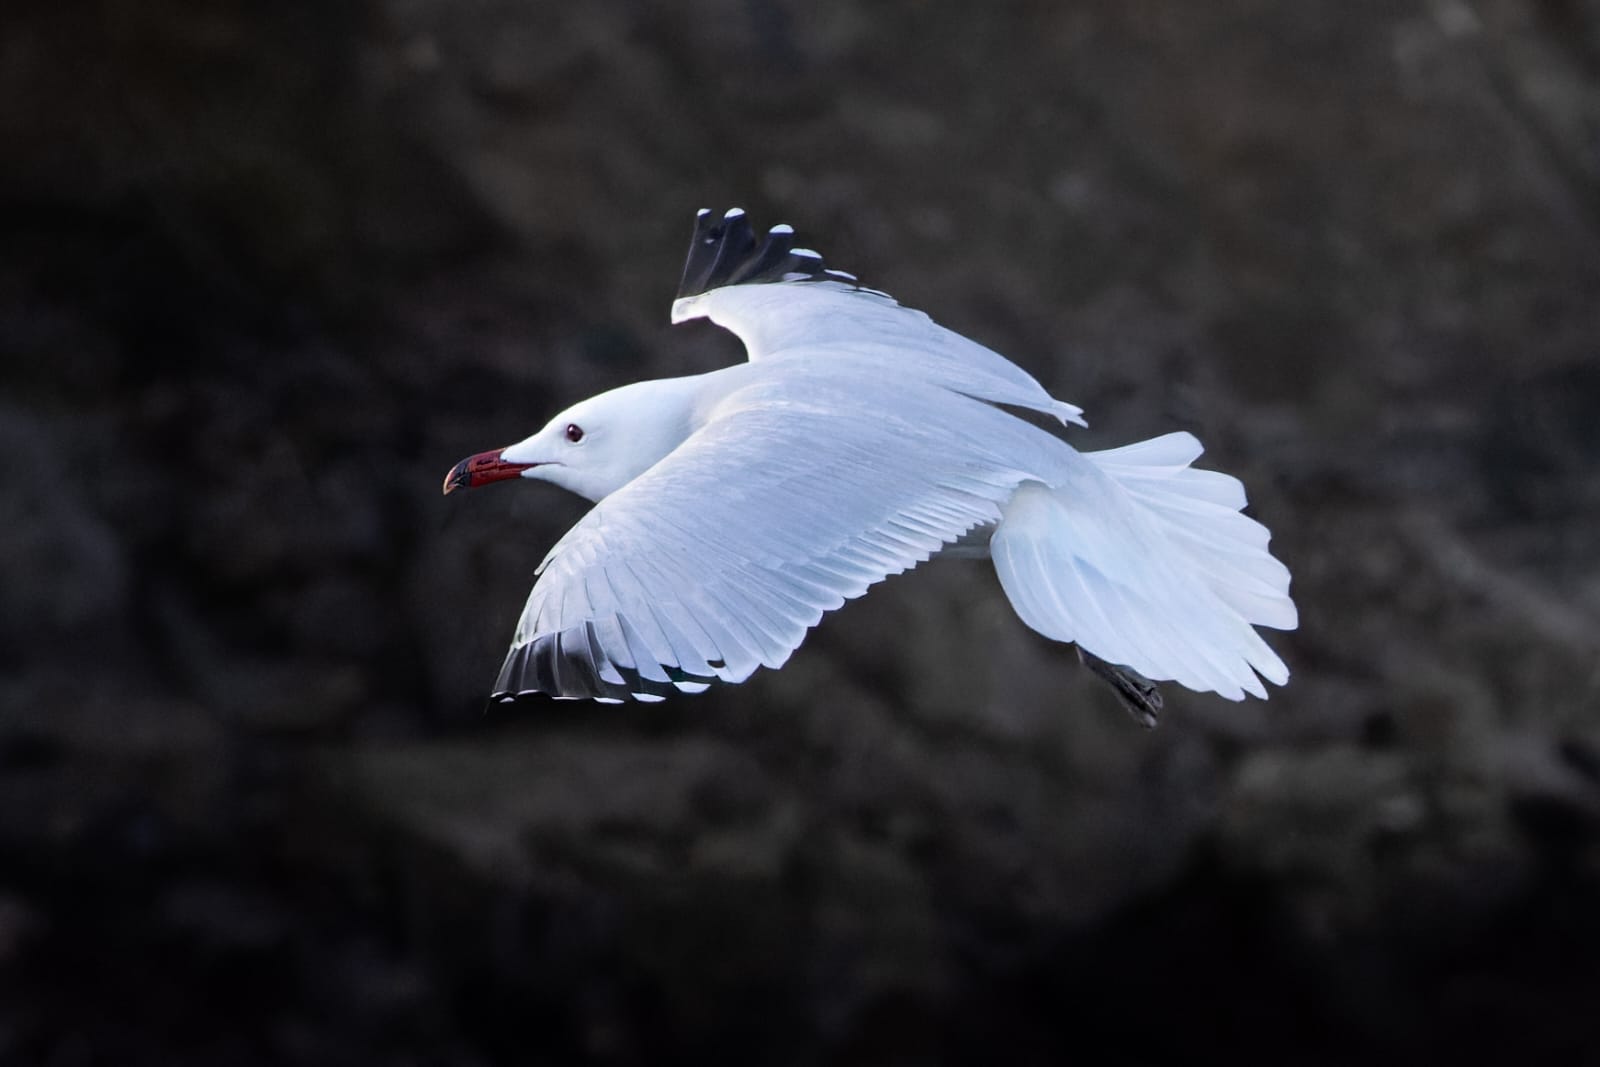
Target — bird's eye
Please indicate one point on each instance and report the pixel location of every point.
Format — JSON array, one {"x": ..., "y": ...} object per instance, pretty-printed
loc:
[{"x": 574, "y": 432}]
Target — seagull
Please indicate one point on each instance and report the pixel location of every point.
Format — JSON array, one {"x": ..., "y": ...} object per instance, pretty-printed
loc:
[{"x": 733, "y": 509}]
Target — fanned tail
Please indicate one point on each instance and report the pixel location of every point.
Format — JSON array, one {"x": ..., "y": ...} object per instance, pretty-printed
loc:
[{"x": 1145, "y": 561}]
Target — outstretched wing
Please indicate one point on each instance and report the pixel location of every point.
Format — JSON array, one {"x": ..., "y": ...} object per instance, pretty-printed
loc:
[
  {"x": 783, "y": 299},
  {"x": 795, "y": 497}
]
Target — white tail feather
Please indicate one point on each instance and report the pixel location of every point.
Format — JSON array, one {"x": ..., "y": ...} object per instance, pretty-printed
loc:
[{"x": 1146, "y": 562}]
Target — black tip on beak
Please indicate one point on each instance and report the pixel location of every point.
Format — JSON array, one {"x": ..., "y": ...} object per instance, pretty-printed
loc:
[{"x": 459, "y": 476}]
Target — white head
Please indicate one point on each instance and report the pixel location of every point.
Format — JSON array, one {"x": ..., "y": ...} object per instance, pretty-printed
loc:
[{"x": 594, "y": 447}]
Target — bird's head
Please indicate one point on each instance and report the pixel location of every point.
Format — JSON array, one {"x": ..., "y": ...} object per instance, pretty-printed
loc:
[{"x": 593, "y": 448}]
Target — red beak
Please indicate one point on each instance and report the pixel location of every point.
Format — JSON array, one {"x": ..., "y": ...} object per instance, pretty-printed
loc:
[{"x": 482, "y": 469}]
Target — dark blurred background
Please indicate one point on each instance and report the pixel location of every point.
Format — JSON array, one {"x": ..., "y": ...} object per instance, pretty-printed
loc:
[{"x": 268, "y": 269}]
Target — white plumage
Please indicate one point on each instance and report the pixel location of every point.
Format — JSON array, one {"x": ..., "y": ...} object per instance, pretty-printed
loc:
[{"x": 735, "y": 508}]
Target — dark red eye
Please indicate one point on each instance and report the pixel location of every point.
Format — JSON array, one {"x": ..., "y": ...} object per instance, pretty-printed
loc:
[{"x": 574, "y": 432}]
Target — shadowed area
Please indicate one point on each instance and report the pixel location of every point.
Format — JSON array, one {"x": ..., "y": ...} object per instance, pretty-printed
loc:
[{"x": 268, "y": 270}]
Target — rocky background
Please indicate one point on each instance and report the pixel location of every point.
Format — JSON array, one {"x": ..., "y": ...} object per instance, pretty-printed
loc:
[{"x": 268, "y": 270}]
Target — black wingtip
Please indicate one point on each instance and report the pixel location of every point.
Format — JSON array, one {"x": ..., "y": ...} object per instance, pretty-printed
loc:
[
  {"x": 571, "y": 663},
  {"x": 724, "y": 251}
]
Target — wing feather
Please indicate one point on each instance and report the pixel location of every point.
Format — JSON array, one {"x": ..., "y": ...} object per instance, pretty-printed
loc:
[
  {"x": 780, "y": 304},
  {"x": 721, "y": 557}
]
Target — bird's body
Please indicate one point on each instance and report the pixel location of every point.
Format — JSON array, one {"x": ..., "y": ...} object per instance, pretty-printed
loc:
[{"x": 735, "y": 508}]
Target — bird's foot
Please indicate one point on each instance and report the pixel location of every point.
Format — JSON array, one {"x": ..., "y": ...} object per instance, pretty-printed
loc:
[{"x": 1134, "y": 691}]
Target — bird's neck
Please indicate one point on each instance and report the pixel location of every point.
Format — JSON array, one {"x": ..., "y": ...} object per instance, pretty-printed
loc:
[{"x": 666, "y": 412}]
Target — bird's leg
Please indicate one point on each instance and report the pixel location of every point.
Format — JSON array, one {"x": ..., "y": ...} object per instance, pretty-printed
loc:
[{"x": 1134, "y": 691}]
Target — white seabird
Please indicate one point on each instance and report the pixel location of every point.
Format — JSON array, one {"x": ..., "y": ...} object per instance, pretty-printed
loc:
[{"x": 735, "y": 508}]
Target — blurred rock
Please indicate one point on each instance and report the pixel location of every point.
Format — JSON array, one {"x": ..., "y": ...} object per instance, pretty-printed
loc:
[
  {"x": 269, "y": 270},
  {"x": 61, "y": 565}
]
